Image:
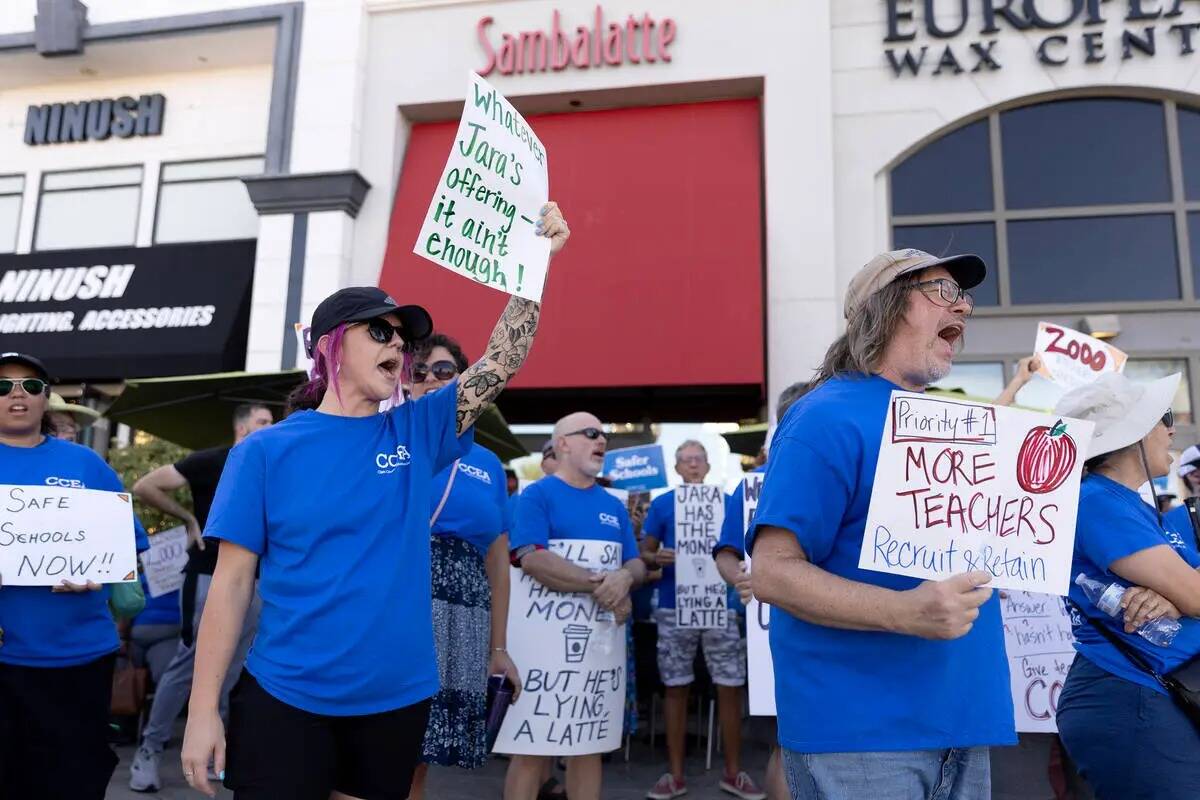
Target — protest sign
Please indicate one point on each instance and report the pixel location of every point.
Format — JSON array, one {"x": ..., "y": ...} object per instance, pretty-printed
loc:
[
  {"x": 1071, "y": 359},
  {"x": 965, "y": 486},
  {"x": 49, "y": 534},
  {"x": 163, "y": 563},
  {"x": 480, "y": 223},
  {"x": 572, "y": 659},
  {"x": 1040, "y": 646},
  {"x": 760, "y": 666},
  {"x": 638, "y": 469},
  {"x": 701, "y": 596}
]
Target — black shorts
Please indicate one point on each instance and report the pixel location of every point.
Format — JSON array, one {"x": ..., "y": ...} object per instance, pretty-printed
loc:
[
  {"x": 276, "y": 750},
  {"x": 54, "y": 731}
]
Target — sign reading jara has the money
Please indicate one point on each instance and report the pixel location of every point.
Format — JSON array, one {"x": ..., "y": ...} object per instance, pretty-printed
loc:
[
  {"x": 969, "y": 486},
  {"x": 481, "y": 221},
  {"x": 701, "y": 599},
  {"x": 49, "y": 534}
]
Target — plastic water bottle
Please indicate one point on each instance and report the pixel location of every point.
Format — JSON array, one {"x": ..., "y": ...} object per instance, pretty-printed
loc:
[{"x": 1159, "y": 631}]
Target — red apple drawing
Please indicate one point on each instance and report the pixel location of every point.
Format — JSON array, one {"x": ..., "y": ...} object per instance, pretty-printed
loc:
[{"x": 1046, "y": 458}]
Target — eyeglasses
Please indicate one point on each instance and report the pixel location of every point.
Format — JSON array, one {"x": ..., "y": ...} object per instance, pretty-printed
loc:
[
  {"x": 949, "y": 291},
  {"x": 31, "y": 386},
  {"x": 590, "y": 433},
  {"x": 1168, "y": 419},
  {"x": 441, "y": 370},
  {"x": 382, "y": 331},
  {"x": 692, "y": 460},
  {"x": 548, "y": 453}
]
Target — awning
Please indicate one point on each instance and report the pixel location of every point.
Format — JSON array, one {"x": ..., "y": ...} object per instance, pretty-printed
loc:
[{"x": 196, "y": 411}]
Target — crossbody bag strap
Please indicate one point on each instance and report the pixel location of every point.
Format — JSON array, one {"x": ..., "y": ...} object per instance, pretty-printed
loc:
[
  {"x": 1122, "y": 647},
  {"x": 437, "y": 512}
]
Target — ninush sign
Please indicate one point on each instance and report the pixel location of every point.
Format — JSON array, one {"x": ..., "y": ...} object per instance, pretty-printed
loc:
[
  {"x": 1150, "y": 26},
  {"x": 636, "y": 40}
]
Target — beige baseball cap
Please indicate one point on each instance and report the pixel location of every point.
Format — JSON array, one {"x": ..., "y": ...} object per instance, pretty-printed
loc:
[{"x": 967, "y": 270}]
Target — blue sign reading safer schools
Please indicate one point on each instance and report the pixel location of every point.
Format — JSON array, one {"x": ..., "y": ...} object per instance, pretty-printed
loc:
[{"x": 637, "y": 469}]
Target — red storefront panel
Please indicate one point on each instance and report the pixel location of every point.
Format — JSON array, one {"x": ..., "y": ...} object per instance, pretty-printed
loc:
[{"x": 662, "y": 283}]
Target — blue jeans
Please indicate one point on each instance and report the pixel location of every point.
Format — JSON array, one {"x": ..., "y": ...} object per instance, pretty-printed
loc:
[
  {"x": 954, "y": 774},
  {"x": 1129, "y": 742}
]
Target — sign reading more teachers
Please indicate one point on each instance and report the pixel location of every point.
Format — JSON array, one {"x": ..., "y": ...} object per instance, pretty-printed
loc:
[
  {"x": 760, "y": 666},
  {"x": 571, "y": 654},
  {"x": 1041, "y": 647},
  {"x": 49, "y": 534},
  {"x": 1072, "y": 359},
  {"x": 969, "y": 486},
  {"x": 701, "y": 597},
  {"x": 480, "y": 223}
]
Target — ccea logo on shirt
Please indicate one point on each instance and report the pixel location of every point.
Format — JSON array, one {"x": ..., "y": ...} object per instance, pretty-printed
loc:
[
  {"x": 387, "y": 462},
  {"x": 68, "y": 483},
  {"x": 1175, "y": 540},
  {"x": 475, "y": 472},
  {"x": 610, "y": 520}
]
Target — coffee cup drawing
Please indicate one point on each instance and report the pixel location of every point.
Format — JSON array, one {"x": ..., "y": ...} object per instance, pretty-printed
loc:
[{"x": 575, "y": 642}]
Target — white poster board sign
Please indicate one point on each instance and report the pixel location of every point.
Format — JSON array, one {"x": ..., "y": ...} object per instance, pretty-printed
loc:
[
  {"x": 1040, "y": 646},
  {"x": 701, "y": 595},
  {"x": 1071, "y": 358},
  {"x": 571, "y": 654},
  {"x": 163, "y": 563},
  {"x": 966, "y": 486},
  {"x": 49, "y": 534},
  {"x": 760, "y": 667},
  {"x": 480, "y": 223}
]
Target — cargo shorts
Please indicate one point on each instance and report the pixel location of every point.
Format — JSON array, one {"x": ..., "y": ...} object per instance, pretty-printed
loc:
[{"x": 724, "y": 651}]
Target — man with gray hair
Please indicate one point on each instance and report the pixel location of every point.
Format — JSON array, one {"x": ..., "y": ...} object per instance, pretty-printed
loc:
[
  {"x": 724, "y": 652},
  {"x": 886, "y": 686}
]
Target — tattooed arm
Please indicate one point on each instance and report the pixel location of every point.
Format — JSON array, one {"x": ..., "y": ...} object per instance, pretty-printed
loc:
[{"x": 511, "y": 339}]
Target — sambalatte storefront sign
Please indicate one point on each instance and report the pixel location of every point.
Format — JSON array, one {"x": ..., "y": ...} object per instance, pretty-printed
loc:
[{"x": 126, "y": 312}]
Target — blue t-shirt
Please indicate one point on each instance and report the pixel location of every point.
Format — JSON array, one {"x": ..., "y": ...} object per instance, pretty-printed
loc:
[
  {"x": 337, "y": 508},
  {"x": 1178, "y": 520},
  {"x": 840, "y": 690},
  {"x": 1115, "y": 522},
  {"x": 552, "y": 509},
  {"x": 733, "y": 536},
  {"x": 477, "y": 509},
  {"x": 57, "y": 629},
  {"x": 161, "y": 610},
  {"x": 660, "y": 523}
]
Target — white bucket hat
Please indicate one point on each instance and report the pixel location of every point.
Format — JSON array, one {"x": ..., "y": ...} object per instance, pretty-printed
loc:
[
  {"x": 1123, "y": 411},
  {"x": 1189, "y": 462}
]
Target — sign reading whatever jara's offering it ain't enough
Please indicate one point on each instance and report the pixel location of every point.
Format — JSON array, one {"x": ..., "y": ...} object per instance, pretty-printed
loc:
[
  {"x": 49, "y": 534},
  {"x": 481, "y": 221},
  {"x": 965, "y": 486}
]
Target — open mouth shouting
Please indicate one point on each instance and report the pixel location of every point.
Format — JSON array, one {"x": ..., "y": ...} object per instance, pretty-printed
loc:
[
  {"x": 390, "y": 367},
  {"x": 952, "y": 333}
]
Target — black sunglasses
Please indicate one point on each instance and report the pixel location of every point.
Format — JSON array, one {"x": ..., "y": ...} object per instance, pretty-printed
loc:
[
  {"x": 591, "y": 433},
  {"x": 31, "y": 386},
  {"x": 441, "y": 370},
  {"x": 1168, "y": 419},
  {"x": 382, "y": 331}
]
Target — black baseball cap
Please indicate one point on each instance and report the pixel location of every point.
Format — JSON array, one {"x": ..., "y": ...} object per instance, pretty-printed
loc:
[
  {"x": 359, "y": 303},
  {"x": 33, "y": 363}
]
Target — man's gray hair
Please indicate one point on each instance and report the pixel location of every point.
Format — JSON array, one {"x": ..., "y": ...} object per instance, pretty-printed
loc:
[
  {"x": 789, "y": 396},
  {"x": 868, "y": 331},
  {"x": 690, "y": 443}
]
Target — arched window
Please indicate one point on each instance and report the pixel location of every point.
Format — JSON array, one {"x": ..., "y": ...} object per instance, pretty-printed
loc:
[{"x": 1087, "y": 201}]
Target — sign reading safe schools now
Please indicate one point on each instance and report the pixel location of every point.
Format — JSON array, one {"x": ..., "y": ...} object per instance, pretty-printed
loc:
[
  {"x": 970, "y": 486},
  {"x": 49, "y": 534},
  {"x": 128, "y": 312}
]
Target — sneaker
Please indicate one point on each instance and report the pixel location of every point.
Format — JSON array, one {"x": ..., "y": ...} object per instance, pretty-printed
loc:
[
  {"x": 667, "y": 788},
  {"x": 743, "y": 786},
  {"x": 143, "y": 773}
]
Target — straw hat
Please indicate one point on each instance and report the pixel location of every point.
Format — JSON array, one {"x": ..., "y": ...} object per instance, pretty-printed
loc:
[
  {"x": 1123, "y": 411},
  {"x": 82, "y": 414}
]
